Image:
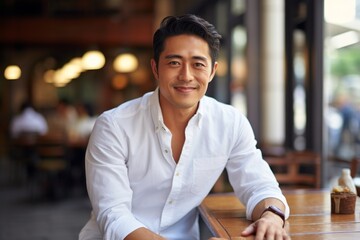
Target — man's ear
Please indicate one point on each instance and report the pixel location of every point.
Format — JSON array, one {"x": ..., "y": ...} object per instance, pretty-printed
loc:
[
  {"x": 213, "y": 71},
  {"x": 154, "y": 68}
]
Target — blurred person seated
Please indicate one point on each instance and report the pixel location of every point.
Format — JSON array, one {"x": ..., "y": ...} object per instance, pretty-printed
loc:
[
  {"x": 348, "y": 130},
  {"x": 24, "y": 131},
  {"x": 80, "y": 130},
  {"x": 62, "y": 118},
  {"x": 28, "y": 121},
  {"x": 67, "y": 112},
  {"x": 78, "y": 136}
]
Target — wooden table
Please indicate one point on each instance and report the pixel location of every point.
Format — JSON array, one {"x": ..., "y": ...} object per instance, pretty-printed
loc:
[{"x": 310, "y": 217}]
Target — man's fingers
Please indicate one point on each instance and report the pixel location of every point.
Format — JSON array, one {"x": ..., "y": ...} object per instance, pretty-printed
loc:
[{"x": 251, "y": 229}]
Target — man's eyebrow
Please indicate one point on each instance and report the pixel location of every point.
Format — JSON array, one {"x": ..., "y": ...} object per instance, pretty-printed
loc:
[
  {"x": 171, "y": 56},
  {"x": 200, "y": 58}
]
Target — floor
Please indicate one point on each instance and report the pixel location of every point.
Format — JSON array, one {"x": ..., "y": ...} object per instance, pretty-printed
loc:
[{"x": 24, "y": 216}]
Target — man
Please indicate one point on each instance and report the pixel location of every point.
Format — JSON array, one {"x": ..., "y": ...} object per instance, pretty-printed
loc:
[
  {"x": 25, "y": 128},
  {"x": 28, "y": 121},
  {"x": 151, "y": 161}
]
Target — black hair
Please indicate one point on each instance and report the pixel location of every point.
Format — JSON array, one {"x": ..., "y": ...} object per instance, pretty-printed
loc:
[
  {"x": 25, "y": 105},
  {"x": 186, "y": 24}
]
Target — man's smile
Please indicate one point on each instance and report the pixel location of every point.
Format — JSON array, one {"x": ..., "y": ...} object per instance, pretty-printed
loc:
[{"x": 185, "y": 89}]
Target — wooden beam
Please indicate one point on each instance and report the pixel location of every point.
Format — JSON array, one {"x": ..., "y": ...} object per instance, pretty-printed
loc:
[{"x": 134, "y": 31}]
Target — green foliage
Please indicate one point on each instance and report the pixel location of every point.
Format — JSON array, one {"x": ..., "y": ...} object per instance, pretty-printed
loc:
[{"x": 347, "y": 62}]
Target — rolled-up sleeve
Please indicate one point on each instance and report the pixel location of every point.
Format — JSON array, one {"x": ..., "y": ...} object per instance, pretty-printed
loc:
[
  {"x": 107, "y": 180},
  {"x": 249, "y": 175}
]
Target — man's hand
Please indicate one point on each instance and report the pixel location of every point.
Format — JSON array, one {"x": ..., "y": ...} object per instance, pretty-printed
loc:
[{"x": 269, "y": 226}]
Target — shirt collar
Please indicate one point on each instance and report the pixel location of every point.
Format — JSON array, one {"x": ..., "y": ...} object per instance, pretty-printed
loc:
[
  {"x": 156, "y": 113},
  {"x": 202, "y": 108},
  {"x": 155, "y": 109}
]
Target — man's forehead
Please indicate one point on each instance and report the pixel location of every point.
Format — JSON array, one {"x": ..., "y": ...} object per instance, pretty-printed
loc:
[{"x": 179, "y": 45}]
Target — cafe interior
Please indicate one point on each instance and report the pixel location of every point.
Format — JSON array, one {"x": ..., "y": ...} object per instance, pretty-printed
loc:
[{"x": 291, "y": 66}]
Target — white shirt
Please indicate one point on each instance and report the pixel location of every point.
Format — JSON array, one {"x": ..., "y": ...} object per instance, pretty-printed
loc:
[
  {"x": 133, "y": 180},
  {"x": 28, "y": 121}
]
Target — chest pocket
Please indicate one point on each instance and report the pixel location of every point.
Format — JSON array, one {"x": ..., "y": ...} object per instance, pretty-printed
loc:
[{"x": 205, "y": 172}]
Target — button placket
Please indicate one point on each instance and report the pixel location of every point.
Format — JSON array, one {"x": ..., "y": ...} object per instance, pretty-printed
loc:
[
  {"x": 165, "y": 139},
  {"x": 175, "y": 192}
]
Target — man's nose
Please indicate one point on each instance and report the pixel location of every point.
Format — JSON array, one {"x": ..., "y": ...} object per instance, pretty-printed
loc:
[{"x": 186, "y": 73}]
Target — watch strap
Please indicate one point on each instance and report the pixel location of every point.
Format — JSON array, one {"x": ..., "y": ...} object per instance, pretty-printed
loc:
[{"x": 276, "y": 211}]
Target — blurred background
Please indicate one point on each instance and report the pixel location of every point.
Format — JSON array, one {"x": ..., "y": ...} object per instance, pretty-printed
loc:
[{"x": 291, "y": 66}]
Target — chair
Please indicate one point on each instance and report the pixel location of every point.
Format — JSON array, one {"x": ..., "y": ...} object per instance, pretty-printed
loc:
[
  {"x": 24, "y": 156},
  {"x": 352, "y": 163},
  {"x": 297, "y": 169},
  {"x": 272, "y": 150},
  {"x": 354, "y": 166},
  {"x": 52, "y": 166}
]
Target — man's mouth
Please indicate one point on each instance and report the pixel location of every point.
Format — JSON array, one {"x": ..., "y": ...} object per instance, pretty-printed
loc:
[{"x": 185, "y": 88}]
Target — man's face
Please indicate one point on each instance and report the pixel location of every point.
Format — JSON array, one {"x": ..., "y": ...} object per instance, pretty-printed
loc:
[{"x": 184, "y": 71}]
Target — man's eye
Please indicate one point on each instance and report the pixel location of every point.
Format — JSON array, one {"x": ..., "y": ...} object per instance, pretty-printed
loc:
[
  {"x": 199, "y": 65},
  {"x": 174, "y": 63}
]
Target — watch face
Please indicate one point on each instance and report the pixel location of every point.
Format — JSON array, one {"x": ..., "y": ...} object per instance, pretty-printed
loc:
[{"x": 275, "y": 208}]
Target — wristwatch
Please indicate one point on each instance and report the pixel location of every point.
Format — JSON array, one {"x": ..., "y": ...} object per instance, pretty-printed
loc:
[{"x": 276, "y": 211}]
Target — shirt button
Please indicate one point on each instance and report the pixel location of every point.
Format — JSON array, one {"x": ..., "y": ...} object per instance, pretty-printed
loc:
[
  {"x": 171, "y": 202},
  {"x": 166, "y": 151},
  {"x": 177, "y": 174}
]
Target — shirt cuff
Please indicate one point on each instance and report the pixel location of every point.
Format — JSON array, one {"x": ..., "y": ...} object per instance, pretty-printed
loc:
[{"x": 121, "y": 228}]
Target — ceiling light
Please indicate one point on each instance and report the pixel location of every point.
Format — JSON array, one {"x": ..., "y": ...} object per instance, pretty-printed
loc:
[
  {"x": 12, "y": 72},
  {"x": 71, "y": 71},
  {"x": 60, "y": 79},
  {"x": 93, "y": 60},
  {"x": 125, "y": 63}
]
